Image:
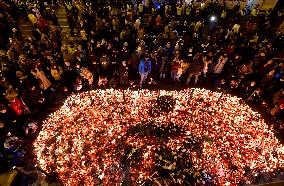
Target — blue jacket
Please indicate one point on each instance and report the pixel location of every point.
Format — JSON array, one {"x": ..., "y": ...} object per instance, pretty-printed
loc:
[{"x": 142, "y": 66}]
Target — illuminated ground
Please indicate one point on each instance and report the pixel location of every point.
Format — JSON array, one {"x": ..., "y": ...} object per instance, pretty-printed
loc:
[{"x": 178, "y": 137}]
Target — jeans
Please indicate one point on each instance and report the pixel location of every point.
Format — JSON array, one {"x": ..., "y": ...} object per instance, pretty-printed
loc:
[
  {"x": 196, "y": 75},
  {"x": 162, "y": 75},
  {"x": 143, "y": 77},
  {"x": 173, "y": 75}
]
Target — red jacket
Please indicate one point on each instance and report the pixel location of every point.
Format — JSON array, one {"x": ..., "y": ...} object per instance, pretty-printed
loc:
[{"x": 18, "y": 106}]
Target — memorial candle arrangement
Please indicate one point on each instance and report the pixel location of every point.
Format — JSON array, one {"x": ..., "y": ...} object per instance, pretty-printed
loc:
[{"x": 182, "y": 137}]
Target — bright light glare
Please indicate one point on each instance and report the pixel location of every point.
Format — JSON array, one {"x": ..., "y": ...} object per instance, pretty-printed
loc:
[{"x": 213, "y": 18}]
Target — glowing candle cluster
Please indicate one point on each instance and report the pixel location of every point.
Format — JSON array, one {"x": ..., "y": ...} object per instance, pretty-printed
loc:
[{"x": 108, "y": 136}]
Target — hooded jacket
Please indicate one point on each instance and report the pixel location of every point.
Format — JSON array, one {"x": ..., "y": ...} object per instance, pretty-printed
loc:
[{"x": 142, "y": 66}]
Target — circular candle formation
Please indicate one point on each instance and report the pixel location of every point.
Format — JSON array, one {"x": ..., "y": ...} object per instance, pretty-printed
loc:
[{"x": 155, "y": 137}]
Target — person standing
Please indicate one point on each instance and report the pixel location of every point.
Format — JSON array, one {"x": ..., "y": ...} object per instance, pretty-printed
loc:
[
  {"x": 144, "y": 69},
  {"x": 220, "y": 65},
  {"x": 123, "y": 73},
  {"x": 44, "y": 83},
  {"x": 179, "y": 10},
  {"x": 71, "y": 22},
  {"x": 104, "y": 61},
  {"x": 175, "y": 65},
  {"x": 195, "y": 68}
]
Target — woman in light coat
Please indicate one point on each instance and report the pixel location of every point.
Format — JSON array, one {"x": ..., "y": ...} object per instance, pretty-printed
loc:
[{"x": 44, "y": 83}]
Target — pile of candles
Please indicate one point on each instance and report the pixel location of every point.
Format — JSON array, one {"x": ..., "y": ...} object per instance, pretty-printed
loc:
[{"x": 95, "y": 136}]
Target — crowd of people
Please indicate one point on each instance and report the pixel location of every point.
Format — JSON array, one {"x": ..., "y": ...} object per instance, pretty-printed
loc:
[{"x": 135, "y": 45}]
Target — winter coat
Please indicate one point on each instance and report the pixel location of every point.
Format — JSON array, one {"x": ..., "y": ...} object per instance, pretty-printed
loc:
[
  {"x": 123, "y": 74},
  {"x": 56, "y": 73},
  {"x": 85, "y": 73},
  {"x": 175, "y": 66},
  {"x": 133, "y": 62},
  {"x": 196, "y": 67},
  {"x": 104, "y": 62},
  {"x": 142, "y": 66},
  {"x": 44, "y": 82},
  {"x": 18, "y": 107},
  {"x": 197, "y": 64}
]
